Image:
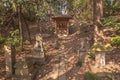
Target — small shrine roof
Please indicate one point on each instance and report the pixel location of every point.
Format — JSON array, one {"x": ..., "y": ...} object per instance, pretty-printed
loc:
[{"x": 65, "y": 16}]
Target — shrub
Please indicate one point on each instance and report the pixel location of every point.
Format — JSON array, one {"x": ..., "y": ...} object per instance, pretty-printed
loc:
[
  {"x": 117, "y": 25},
  {"x": 100, "y": 47},
  {"x": 115, "y": 41},
  {"x": 111, "y": 76},
  {"x": 75, "y": 51},
  {"x": 79, "y": 63},
  {"x": 14, "y": 38},
  {"x": 73, "y": 29},
  {"x": 108, "y": 21},
  {"x": 90, "y": 76},
  {"x": 91, "y": 55},
  {"x": 2, "y": 39}
]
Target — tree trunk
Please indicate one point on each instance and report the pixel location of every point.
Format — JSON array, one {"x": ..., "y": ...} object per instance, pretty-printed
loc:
[
  {"x": 97, "y": 14},
  {"x": 37, "y": 17},
  {"x": 27, "y": 27},
  {"x": 20, "y": 26},
  {"x": 98, "y": 34},
  {"x": 10, "y": 59}
]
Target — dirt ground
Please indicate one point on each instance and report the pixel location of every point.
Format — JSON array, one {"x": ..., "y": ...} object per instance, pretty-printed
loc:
[{"x": 66, "y": 58}]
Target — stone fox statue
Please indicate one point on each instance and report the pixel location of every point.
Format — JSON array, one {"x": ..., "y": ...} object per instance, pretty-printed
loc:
[
  {"x": 38, "y": 47},
  {"x": 38, "y": 41}
]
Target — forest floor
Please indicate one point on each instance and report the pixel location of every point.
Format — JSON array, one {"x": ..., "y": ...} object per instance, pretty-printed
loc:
[{"x": 61, "y": 63}]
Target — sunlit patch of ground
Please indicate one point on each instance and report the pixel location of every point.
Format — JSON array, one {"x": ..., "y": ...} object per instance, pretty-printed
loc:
[
  {"x": 112, "y": 66},
  {"x": 61, "y": 64}
]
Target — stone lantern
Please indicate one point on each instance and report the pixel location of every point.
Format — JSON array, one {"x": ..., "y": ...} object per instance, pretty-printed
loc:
[{"x": 62, "y": 24}]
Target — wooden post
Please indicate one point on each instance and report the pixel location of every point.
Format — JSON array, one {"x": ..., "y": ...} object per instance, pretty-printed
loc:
[{"x": 9, "y": 59}]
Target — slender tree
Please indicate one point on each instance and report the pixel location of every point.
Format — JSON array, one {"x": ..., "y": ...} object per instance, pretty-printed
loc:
[
  {"x": 97, "y": 14},
  {"x": 20, "y": 26}
]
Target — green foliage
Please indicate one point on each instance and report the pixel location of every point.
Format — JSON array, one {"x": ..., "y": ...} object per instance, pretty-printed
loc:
[
  {"x": 14, "y": 38},
  {"x": 115, "y": 41},
  {"x": 111, "y": 21},
  {"x": 2, "y": 39},
  {"x": 79, "y": 3},
  {"x": 79, "y": 63},
  {"x": 111, "y": 77},
  {"x": 111, "y": 8},
  {"x": 57, "y": 45},
  {"x": 82, "y": 9},
  {"x": 1, "y": 52},
  {"x": 54, "y": 5},
  {"x": 117, "y": 25},
  {"x": 100, "y": 47},
  {"x": 90, "y": 76},
  {"x": 73, "y": 29},
  {"x": 91, "y": 55},
  {"x": 108, "y": 21},
  {"x": 75, "y": 51}
]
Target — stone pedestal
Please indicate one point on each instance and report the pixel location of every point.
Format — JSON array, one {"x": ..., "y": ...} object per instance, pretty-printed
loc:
[
  {"x": 24, "y": 70},
  {"x": 38, "y": 55},
  {"x": 82, "y": 56},
  {"x": 9, "y": 59},
  {"x": 83, "y": 48},
  {"x": 99, "y": 58},
  {"x": 84, "y": 44}
]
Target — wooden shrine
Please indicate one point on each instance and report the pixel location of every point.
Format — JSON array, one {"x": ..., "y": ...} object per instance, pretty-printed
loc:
[{"x": 62, "y": 24}]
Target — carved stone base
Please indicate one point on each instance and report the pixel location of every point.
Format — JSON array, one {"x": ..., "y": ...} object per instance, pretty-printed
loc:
[
  {"x": 38, "y": 56},
  {"x": 24, "y": 70},
  {"x": 100, "y": 59},
  {"x": 39, "y": 60},
  {"x": 24, "y": 77}
]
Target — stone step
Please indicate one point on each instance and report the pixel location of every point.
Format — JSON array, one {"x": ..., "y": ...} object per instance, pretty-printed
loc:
[
  {"x": 30, "y": 76},
  {"x": 62, "y": 68}
]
